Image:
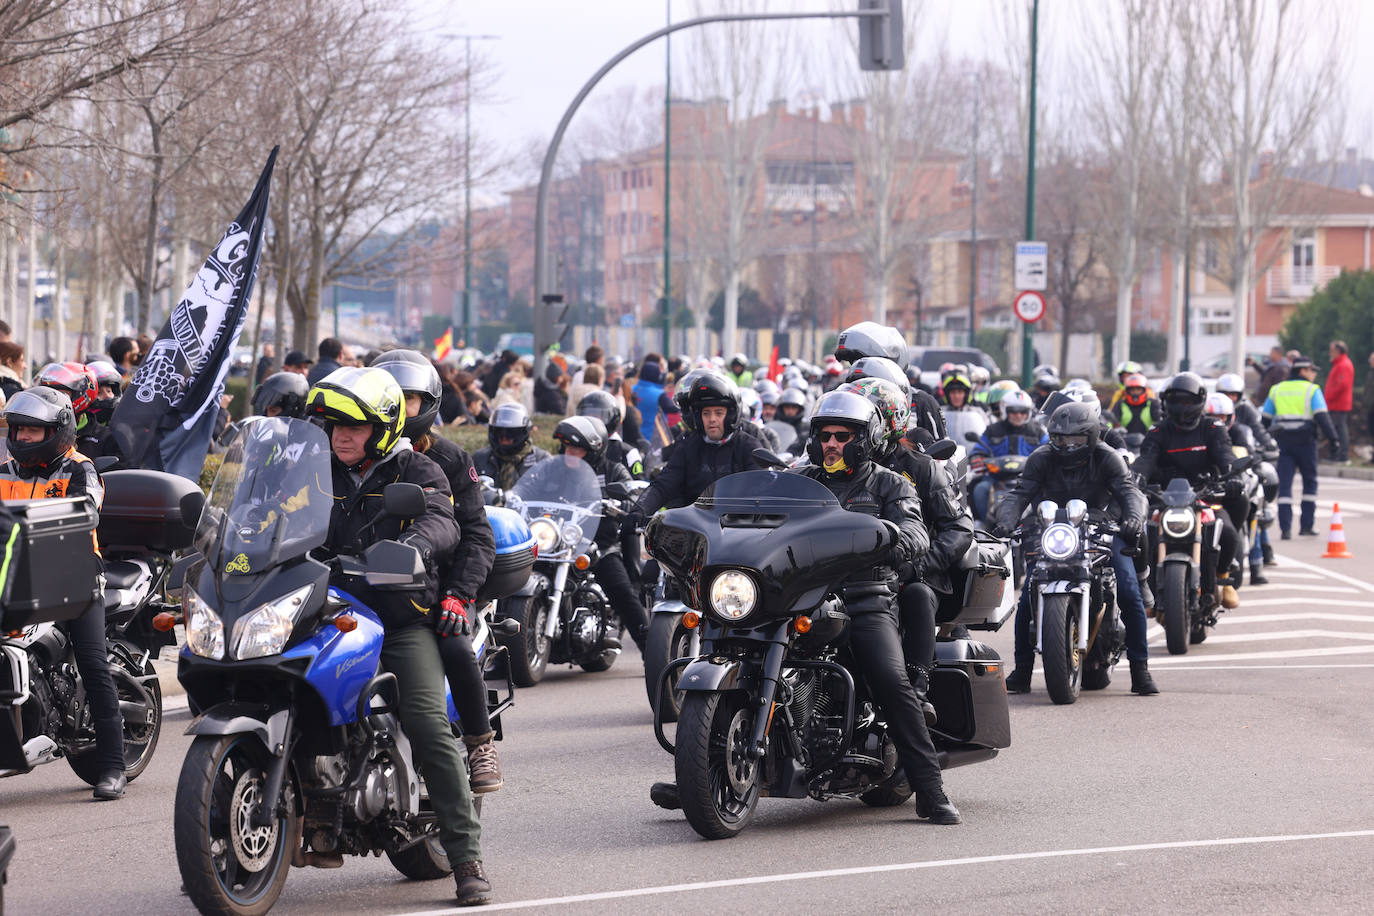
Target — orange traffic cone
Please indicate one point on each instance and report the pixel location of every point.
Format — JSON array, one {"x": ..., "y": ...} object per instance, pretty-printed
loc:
[{"x": 1335, "y": 545}]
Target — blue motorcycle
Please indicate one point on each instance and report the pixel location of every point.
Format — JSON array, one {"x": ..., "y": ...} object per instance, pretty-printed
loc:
[{"x": 299, "y": 757}]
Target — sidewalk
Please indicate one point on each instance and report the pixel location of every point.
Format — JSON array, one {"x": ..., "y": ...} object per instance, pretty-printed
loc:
[{"x": 1352, "y": 472}]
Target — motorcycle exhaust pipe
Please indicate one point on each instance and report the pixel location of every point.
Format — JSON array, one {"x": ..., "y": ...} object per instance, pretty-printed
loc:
[{"x": 1083, "y": 620}]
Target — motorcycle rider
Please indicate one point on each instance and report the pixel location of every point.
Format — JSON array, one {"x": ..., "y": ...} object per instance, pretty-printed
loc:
[
  {"x": 79, "y": 384},
  {"x": 1298, "y": 409},
  {"x": 109, "y": 386},
  {"x": 585, "y": 438},
  {"x": 792, "y": 411},
  {"x": 43, "y": 463},
  {"x": 1187, "y": 444},
  {"x": 281, "y": 395},
  {"x": 1017, "y": 434},
  {"x": 1133, "y": 407},
  {"x": 1123, "y": 372},
  {"x": 1077, "y": 465},
  {"x": 1046, "y": 384},
  {"x": 602, "y": 405},
  {"x": 461, "y": 577},
  {"x": 1248, "y": 415},
  {"x": 752, "y": 406},
  {"x": 509, "y": 452},
  {"x": 846, "y": 434},
  {"x": 961, "y": 415},
  {"x": 363, "y": 411}
]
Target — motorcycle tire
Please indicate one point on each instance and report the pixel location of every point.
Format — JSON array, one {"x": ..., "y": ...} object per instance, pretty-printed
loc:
[
  {"x": 664, "y": 644},
  {"x": 223, "y": 869},
  {"x": 1174, "y": 597},
  {"x": 1060, "y": 656},
  {"x": 712, "y": 735},
  {"x": 1096, "y": 678},
  {"x": 140, "y": 736},
  {"x": 425, "y": 861},
  {"x": 530, "y": 648}
]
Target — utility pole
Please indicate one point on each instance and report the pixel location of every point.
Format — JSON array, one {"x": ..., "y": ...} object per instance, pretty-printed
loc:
[
  {"x": 815, "y": 228},
  {"x": 973, "y": 227},
  {"x": 1027, "y": 348},
  {"x": 464, "y": 320},
  {"x": 667, "y": 186}
]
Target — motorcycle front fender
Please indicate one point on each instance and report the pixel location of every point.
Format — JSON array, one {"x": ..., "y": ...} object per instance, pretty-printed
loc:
[
  {"x": 668, "y": 606},
  {"x": 709, "y": 674},
  {"x": 244, "y": 718}
]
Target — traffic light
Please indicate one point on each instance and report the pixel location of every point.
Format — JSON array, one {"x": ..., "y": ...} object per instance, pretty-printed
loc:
[
  {"x": 549, "y": 328},
  {"x": 881, "y": 45}
]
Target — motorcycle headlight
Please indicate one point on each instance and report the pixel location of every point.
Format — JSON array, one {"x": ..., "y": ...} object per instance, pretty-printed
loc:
[
  {"x": 733, "y": 595},
  {"x": 1177, "y": 523},
  {"x": 545, "y": 535},
  {"x": 266, "y": 630},
  {"x": 572, "y": 533},
  {"x": 1059, "y": 542},
  {"x": 204, "y": 629}
]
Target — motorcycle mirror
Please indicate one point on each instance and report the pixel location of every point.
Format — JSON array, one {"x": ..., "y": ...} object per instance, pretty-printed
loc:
[
  {"x": 403, "y": 500},
  {"x": 104, "y": 463},
  {"x": 191, "y": 506},
  {"x": 487, "y": 482},
  {"x": 766, "y": 458},
  {"x": 942, "y": 449},
  {"x": 391, "y": 564},
  {"x": 617, "y": 490},
  {"x": 971, "y": 436}
]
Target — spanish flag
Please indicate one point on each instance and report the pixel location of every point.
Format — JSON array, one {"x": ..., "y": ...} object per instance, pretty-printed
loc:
[{"x": 443, "y": 346}]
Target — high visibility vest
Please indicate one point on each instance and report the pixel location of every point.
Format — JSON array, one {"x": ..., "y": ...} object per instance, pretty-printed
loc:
[
  {"x": 1293, "y": 404},
  {"x": 1129, "y": 412}
]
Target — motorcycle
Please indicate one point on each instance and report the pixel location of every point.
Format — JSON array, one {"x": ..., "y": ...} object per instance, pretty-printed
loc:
[
  {"x": 774, "y": 705},
  {"x": 563, "y": 614},
  {"x": 298, "y": 756},
  {"x": 147, "y": 516},
  {"x": 1077, "y": 624}
]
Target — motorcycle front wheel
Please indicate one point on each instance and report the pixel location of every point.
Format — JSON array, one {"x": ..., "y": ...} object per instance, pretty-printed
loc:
[
  {"x": 228, "y": 865},
  {"x": 530, "y": 648},
  {"x": 718, "y": 782},
  {"x": 1059, "y": 642},
  {"x": 140, "y": 708},
  {"x": 1174, "y": 595}
]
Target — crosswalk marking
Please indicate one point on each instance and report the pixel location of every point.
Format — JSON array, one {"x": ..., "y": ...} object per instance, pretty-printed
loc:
[
  {"x": 1271, "y": 636},
  {"x": 1172, "y": 660},
  {"x": 1247, "y": 602}
]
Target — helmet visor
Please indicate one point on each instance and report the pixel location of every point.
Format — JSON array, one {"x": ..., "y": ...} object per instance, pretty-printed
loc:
[{"x": 1069, "y": 442}]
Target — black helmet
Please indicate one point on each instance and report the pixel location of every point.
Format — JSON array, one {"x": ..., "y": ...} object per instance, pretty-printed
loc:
[
  {"x": 680, "y": 392},
  {"x": 49, "y": 409},
  {"x": 107, "y": 376},
  {"x": 285, "y": 390},
  {"x": 792, "y": 397},
  {"x": 603, "y": 406},
  {"x": 713, "y": 389},
  {"x": 854, "y": 411},
  {"x": 416, "y": 375},
  {"x": 583, "y": 432},
  {"x": 1183, "y": 399},
  {"x": 879, "y": 367},
  {"x": 1074, "y": 430},
  {"x": 868, "y": 338},
  {"x": 512, "y": 419}
]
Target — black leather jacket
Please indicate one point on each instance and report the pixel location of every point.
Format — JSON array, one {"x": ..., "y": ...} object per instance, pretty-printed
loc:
[
  {"x": 876, "y": 491},
  {"x": 695, "y": 465},
  {"x": 1170, "y": 452},
  {"x": 948, "y": 523},
  {"x": 506, "y": 470},
  {"x": 1248, "y": 415},
  {"x": 1103, "y": 482},
  {"x": 464, "y": 574}
]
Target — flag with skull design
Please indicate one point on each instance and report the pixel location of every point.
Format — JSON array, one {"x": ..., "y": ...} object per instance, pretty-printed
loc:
[{"x": 166, "y": 418}]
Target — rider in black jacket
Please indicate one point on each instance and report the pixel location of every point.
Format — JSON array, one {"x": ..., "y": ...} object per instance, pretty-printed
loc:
[
  {"x": 845, "y": 433},
  {"x": 1075, "y": 465},
  {"x": 509, "y": 453},
  {"x": 1190, "y": 445}
]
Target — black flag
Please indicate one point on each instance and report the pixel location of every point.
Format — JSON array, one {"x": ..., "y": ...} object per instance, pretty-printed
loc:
[{"x": 166, "y": 419}]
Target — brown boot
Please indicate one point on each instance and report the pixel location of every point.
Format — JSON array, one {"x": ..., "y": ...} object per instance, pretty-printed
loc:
[
  {"x": 473, "y": 887},
  {"x": 484, "y": 767}
]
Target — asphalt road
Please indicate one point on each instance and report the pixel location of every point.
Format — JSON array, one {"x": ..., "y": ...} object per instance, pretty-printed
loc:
[{"x": 1244, "y": 787}]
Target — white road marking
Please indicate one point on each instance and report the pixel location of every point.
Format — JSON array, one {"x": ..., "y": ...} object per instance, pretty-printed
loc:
[
  {"x": 1172, "y": 660},
  {"x": 1233, "y": 617},
  {"x": 1304, "y": 588},
  {"x": 1327, "y": 572},
  {"x": 1273, "y": 572},
  {"x": 900, "y": 867},
  {"x": 1219, "y": 638},
  {"x": 1274, "y": 667},
  {"x": 1247, "y": 602}
]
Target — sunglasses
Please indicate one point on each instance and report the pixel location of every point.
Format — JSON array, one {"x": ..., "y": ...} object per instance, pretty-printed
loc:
[{"x": 840, "y": 437}]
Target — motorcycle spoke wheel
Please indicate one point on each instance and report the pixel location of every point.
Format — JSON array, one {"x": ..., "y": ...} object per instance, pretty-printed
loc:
[{"x": 718, "y": 782}]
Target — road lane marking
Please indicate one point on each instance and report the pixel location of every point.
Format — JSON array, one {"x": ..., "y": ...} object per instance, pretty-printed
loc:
[
  {"x": 1273, "y": 667},
  {"x": 1232, "y": 617},
  {"x": 1327, "y": 572},
  {"x": 1248, "y": 602},
  {"x": 1217, "y": 638},
  {"x": 1272, "y": 571},
  {"x": 899, "y": 867},
  {"x": 1257, "y": 656}
]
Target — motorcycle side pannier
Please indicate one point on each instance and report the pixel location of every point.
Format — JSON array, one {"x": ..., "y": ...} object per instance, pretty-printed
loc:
[
  {"x": 984, "y": 582},
  {"x": 514, "y": 555},
  {"x": 967, "y": 687},
  {"x": 149, "y": 510},
  {"x": 49, "y": 559}
]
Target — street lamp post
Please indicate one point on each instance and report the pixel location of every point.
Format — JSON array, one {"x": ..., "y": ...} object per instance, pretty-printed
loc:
[{"x": 465, "y": 319}]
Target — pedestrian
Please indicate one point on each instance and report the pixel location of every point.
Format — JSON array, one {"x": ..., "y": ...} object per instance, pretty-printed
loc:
[
  {"x": 124, "y": 352},
  {"x": 264, "y": 369},
  {"x": 330, "y": 349},
  {"x": 592, "y": 377},
  {"x": 1276, "y": 370},
  {"x": 646, "y": 392},
  {"x": 297, "y": 362},
  {"x": 1340, "y": 399},
  {"x": 1368, "y": 399},
  {"x": 1298, "y": 410},
  {"x": 11, "y": 369}
]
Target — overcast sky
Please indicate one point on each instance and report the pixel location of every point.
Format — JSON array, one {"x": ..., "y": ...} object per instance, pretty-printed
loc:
[{"x": 548, "y": 48}]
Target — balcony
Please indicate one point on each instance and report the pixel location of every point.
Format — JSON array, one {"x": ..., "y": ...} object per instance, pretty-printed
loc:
[{"x": 1289, "y": 283}]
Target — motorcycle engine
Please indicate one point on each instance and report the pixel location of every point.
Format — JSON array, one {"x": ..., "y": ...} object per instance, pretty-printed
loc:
[
  {"x": 330, "y": 771},
  {"x": 584, "y": 630},
  {"x": 376, "y": 794}
]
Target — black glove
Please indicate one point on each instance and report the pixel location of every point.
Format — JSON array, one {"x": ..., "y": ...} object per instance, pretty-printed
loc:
[
  {"x": 422, "y": 547},
  {"x": 452, "y": 618},
  {"x": 634, "y": 520}
]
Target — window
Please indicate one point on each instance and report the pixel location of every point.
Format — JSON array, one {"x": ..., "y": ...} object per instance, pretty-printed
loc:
[
  {"x": 1211, "y": 256},
  {"x": 1304, "y": 258},
  {"x": 635, "y": 223}
]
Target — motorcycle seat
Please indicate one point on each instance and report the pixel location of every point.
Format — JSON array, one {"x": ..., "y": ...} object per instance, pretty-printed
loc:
[{"x": 122, "y": 574}]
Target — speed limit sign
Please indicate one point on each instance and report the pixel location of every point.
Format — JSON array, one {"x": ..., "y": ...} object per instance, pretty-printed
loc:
[{"x": 1029, "y": 306}]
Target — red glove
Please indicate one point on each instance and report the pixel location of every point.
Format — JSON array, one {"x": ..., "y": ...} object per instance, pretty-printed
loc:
[{"x": 452, "y": 618}]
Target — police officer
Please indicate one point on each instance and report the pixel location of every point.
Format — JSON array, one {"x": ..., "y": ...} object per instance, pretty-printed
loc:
[
  {"x": 1077, "y": 465},
  {"x": 1298, "y": 409},
  {"x": 846, "y": 433},
  {"x": 509, "y": 452}
]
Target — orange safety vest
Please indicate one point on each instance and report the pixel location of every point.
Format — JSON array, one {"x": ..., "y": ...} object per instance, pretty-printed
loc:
[{"x": 14, "y": 487}]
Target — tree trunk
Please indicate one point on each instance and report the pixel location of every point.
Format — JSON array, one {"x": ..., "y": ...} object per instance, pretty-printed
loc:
[
  {"x": 57, "y": 319},
  {"x": 33, "y": 288},
  {"x": 145, "y": 297},
  {"x": 1176, "y": 328},
  {"x": 1125, "y": 283},
  {"x": 94, "y": 320},
  {"x": 729, "y": 329}
]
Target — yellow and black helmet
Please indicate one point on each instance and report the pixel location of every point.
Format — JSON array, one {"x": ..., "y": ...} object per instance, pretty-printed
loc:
[{"x": 353, "y": 396}]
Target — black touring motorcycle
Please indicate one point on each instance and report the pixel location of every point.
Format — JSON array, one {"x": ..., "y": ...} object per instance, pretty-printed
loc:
[{"x": 774, "y": 705}]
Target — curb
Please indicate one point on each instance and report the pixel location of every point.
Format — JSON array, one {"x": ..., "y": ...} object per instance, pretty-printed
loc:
[{"x": 1351, "y": 473}]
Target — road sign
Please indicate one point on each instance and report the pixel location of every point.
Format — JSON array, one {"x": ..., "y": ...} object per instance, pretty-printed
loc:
[
  {"x": 1029, "y": 306},
  {"x": 627, "y": 320},
  {"x": 1032, "y": 266}
]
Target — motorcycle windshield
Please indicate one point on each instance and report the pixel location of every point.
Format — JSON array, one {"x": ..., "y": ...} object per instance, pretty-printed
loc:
[
  {"x": 271, "y": 497},
  {"x": 760, "y": 491},
  {"x": 562, "y": 488}
]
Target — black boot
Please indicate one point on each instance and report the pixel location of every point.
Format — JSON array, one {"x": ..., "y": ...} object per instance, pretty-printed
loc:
[
  {"x": 110, "y": 786},
  {"x": 920, "y": 682},
  {"x": 1019, "y": 681},
  {"x": 1141, "y": 682},
  {"x": 936, "y": 807},
  {"x": 1257, "y": 576},
  {"x": 1268, "y": 550}
]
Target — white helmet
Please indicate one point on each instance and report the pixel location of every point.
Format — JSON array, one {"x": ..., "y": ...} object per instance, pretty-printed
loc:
[
  {"x": 1016, "y": 400},
  {"x": 1219, "y": 405},
  {"x": 1230, "y": 383},
  {"x": 751, "y": 402}
]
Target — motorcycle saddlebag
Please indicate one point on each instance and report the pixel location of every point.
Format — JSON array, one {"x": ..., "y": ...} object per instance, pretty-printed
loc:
[
  {"x": 984, "y": 580},
  {"x": 968, "y": 691},
  {"x": 514, "y": 555},
  {"x": 148, "y": 510},
  {"x": 48, "y": 561}
]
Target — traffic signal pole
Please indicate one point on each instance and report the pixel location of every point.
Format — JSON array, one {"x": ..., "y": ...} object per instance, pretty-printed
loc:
[
  {"x": 1027, "y": 348},
  {"x": 880, "y": 41}
]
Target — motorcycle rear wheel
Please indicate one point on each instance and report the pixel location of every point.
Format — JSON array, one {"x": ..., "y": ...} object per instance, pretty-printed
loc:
[
  {"x": 140, "y": 737},
  {"x": 1060, "y": 655},
  {"x": 890, "y": 794},
  {"x": 718, "y": 784},
  {"x": 1174, "y": 594},
  {"x": 227, "y": 865},
  {"x": 425, "y": 861}
]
